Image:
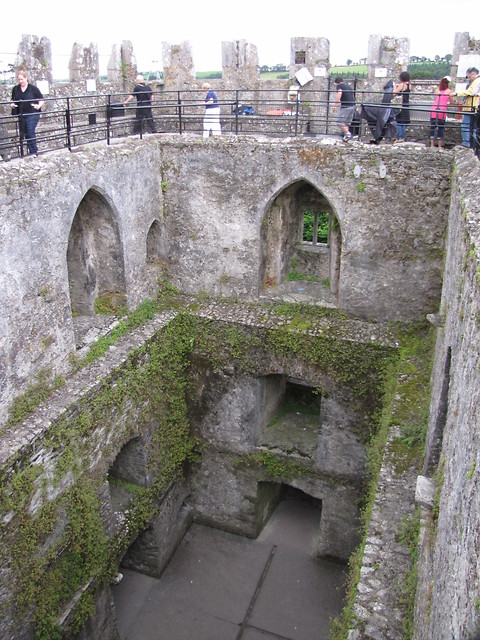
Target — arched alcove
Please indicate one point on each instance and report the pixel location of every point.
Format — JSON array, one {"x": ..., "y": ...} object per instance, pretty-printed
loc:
[
  {"x": 154, "y": 243},
  {"x": 129, "y": 470},
  {"x": 95, "y": 257},
  {"x": 301, "y": 238}
]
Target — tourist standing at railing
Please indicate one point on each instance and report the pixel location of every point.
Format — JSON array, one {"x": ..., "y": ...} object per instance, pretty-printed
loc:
[
  {"x": 345, "y": 99},
  {"x": 403, "y": 118},
  {"x": 472, "y": 99},
  {"x": 27, "y": 102},
  {"x": 438, "y": 113},
  {"x": 211, "y": 119},
  {"x": 143, "y": 93}
]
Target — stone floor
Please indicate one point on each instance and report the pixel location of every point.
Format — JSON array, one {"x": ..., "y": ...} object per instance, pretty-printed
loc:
[
  {"x": 300, "y": 292},
  {"x": 220, "y": 586}
]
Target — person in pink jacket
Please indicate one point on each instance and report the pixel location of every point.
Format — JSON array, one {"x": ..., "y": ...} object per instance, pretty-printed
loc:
[{"x": 438, "y": 112}]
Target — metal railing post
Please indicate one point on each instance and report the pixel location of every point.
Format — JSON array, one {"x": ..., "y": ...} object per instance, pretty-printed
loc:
[
  {"x": 109, "y": 116},
  {"x": 296, "y": 114},
  {"x": 179, "y": 102},
  {"x": 236, "y": 112},
  {"x": 68, "y": 123},
  {"x": 328, "y": 105}
]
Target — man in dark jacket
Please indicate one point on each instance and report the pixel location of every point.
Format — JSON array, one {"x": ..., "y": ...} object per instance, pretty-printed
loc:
[{"x": 143, "y": 93}]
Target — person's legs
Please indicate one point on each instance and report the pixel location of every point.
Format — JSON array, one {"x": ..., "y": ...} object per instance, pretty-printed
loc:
[
  {"x": 30, "y": 124},
  {"x": 207, "y": 124},
  {"x": 440, "y": 133},
  {"x": 216, "y": 127},
  {"x": 401, "y": 131},
  {"x": 433, "y": 123},
  {"x": 211, "y": 122},
  {"x": 149, "y": 120},
  {"x": 138, "y": 124},
  {"x": 466, "y": 130},
  {"x": 344, "y": 118}
]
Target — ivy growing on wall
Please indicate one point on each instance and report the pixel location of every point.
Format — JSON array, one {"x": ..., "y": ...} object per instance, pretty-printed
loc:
[
  {"x": 59, "y": 546},
  {"x": 54, "y": 507}
]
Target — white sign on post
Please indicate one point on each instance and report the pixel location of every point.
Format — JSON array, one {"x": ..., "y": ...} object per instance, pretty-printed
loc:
[{"x": 303, "y": 76}]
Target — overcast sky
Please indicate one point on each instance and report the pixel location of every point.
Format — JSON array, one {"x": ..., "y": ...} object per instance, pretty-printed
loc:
[{"x": 269, "y": 25}]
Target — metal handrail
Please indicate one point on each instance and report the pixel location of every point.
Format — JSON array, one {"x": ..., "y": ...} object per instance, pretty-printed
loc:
[{"x": 72, "y": 121}]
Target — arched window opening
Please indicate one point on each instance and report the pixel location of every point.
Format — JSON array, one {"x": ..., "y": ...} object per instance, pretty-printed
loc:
[{"x": 301, "y": 241}]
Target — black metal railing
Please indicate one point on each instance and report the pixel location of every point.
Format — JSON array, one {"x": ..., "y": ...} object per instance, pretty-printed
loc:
[{"x": 69, "y": 122}]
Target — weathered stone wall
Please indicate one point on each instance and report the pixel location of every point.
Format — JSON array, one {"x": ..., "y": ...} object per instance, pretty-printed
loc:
[
  {"x": 235, "y": 416},
  {"x": 83, "y": 63},
  {"x": 386, "y": 55},
  {"x": 391, "y": 223},
  {"x": 210, "y": 201},
  {"x": 449, "y": 572},
  {"x": 34, "y": 238},
  {"x": 35, "y": 56},
  {"x": 239, "y": 65},
  {"x": 55, "y": 471},
  {"x": 120, "y": 420}
]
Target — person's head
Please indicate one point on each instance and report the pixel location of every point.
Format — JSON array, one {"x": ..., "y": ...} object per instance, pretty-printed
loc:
[
  {"x": 140, "y": 79},
  {"x": 443, "y": 84},
  {"x": 22, "y": 76},
  {"x": 338, "y": 80},
  {"x": 207, "y": 86},
  {"x": 404, "y": 76},
  {"x": 473, "y": 73}
]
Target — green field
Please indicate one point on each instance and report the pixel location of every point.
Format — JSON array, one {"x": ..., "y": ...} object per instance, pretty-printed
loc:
[
  {"x": 427, "y": 70},
  {"x": 352, "y": 69}
]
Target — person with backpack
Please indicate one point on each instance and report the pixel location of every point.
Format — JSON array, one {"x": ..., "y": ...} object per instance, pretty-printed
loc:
[{"x": 438, "y": 112}]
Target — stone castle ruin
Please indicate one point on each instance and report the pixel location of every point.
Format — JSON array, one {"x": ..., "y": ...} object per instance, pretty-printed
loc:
[{"x": 176, "y": 350}]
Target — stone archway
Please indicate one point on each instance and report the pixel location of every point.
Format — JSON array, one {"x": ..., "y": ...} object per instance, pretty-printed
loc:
[
  {"x": 95, "y": 260},
  {"x": 292, "y": 243}
]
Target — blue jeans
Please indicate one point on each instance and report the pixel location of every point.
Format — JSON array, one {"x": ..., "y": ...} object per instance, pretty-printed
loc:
[
  {"x": 466, "y": 119},
  {"x": 440, "y": 124},
  {"x": 401, "y": 131},
  {"x": 28, "y": 126}
]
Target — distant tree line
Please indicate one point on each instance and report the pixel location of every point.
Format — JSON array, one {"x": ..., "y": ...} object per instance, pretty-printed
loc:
[{"x": 429, "y": 70}]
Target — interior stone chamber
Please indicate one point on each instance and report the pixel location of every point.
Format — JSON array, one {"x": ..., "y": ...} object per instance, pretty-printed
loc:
[{"x": 224, "y": 379}]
